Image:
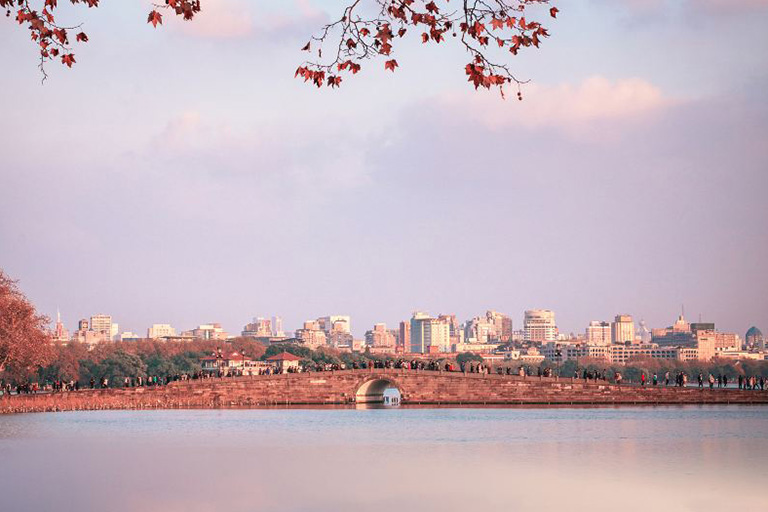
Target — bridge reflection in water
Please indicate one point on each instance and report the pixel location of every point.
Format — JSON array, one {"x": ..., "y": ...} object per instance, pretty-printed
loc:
[{"x": 380, "y": 392}]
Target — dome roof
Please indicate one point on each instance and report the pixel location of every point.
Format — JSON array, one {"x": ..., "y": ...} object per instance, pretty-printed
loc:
[{"x": 753, "y": 331}]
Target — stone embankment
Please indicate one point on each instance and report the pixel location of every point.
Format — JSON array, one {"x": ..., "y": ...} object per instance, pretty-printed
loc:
[{"x": 342, "y": 387}]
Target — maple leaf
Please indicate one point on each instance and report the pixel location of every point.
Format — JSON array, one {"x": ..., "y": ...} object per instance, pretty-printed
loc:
[
  {"x": 553, "y": 12},
  {"x": 497, "y": 23},
  {"x": 68, "y": 59},
  {"x": 431, "y": 7},
  {"x": 82, "y": 37},
  {"x": 424, "y": 37},
  {"x": 306, "y": 47},
  {"x": 154, "y": 18},
  {"x": 391, "y": 65}
]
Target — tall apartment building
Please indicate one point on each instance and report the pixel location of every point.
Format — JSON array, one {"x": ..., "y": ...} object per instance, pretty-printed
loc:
[
  {"x": 311, "y": 335},
  {"x": 259, "y": 328},
  {"x": 160, "y": 331},
  {"x": 338, "y": 323},
  {"x": 380, "y": 337},
  {"x": 598, "y": 333},
  {"x": 502, "y": 326},
  {"x": 623, "y": 329},
  {"x": 277, "y": 325},
  {"x": 429, "y": 335},
  {"x": 404, "y": 339},
  {"x": 539, "y": 326},
  {"x": 754, "y": 340},
  {"x": 211, "y": 331},
  {"x": 103, "y": 325}
]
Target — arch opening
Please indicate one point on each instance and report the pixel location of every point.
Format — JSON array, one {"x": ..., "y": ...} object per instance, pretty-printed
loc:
[{"x": 378, "y": 391}]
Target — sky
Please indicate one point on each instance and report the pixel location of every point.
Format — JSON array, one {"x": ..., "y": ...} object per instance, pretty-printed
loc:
[{"x": 182, "y": 175}]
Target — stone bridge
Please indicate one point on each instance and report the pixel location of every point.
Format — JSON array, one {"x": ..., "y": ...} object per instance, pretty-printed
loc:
[{"x": 416, "y": 387}]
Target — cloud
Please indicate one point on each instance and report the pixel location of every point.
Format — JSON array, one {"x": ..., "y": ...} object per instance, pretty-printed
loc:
[
  {"x": 234, "y": 19},
  {"x": 221, "y": 19},
  {"x": 596, "y": 99}
]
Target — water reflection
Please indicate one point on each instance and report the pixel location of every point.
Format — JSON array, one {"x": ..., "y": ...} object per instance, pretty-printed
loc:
[{"x": 677, "y": 458}]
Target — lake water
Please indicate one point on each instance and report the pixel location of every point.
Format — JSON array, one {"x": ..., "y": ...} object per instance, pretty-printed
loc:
[{"x": 702, "y": 458}]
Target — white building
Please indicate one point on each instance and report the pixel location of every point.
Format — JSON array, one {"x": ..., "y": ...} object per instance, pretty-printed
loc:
[
  {"x": 429, "y": 335},
  {"x": 598, "y": 333},
  {"x": 337, "y": 323},
  {"x": 160, "y": 331},
  {"x": 103, "y": 326},
  {"x": 623, "y": 329},
  {"x": 539, "y": 325}
]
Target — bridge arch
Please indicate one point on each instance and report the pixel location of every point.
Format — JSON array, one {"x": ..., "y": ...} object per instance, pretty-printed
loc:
[{"x": 379, "y": 389}]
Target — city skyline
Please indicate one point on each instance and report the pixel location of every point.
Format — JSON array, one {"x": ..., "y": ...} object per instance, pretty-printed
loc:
[{"x": 359, "y": 330}]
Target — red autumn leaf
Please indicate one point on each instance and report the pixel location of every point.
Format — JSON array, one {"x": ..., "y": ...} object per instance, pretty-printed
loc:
[
  {"x": 424, "y": 37},
  {"x": 306, "y": 47},
  {"x": 553, "y": 12},
  {"x": 68, "y": 59},
  {"x": 82, "y": 37},
  {"x": 154, "y": 18},
  {"x": 497, "y": 23},
  {"x": 391, "y": 65}
]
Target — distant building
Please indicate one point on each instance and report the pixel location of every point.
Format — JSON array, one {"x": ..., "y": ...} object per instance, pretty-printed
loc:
[
  {"x": 103, "y": 325},
  {"x": 404, "y": 339},
  {"x": 598, "y": 333},
  {"x": 754, "y": 341},
  {"x": 539, "y": 326},
  {"x": 380, "y": 337},
  {"x": 211, "y": 331},
  {"x": 501, "y": 326},
  {"x": 129, "y": 336},
  {"x": 285, "y": 362},
  {"x": 234, "y": 363},
  {"x": 623, "y": 329},
  {"x": 158, "y": 331},
  {"x": 677, "y": 335},
  {"x": 338, "y": 323},
  {"x": 60, "y": 333},
  {"x": 429, "y": 335},
  {"x": 311, "y": 335},
  {"x": 278, "y": 327},
  {"x": 259, "y": 328}
]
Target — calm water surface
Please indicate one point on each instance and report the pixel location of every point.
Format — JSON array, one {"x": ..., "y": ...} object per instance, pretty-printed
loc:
[{"x": 708, "y": 458}]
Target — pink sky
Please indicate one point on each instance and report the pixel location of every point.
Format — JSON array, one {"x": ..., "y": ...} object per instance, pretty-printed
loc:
[{"x": 182, "y": 175}]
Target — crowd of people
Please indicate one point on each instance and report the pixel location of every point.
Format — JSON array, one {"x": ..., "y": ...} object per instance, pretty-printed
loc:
[{"x": 679, "y": 379}]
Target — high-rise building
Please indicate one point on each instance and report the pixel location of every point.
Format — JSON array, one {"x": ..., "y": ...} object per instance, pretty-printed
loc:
[
  {"x": 259, "y": 328},
  {"x": 502, "y": 326},
  {"x": 380, "y": 337},
  {"x": 623, "y": 329},
  {"x": 429, "y": 335},
  {"x": 338, "y": 323},
  {"x": 677, "y": 335},
  {"x": 754, "y": 340},
  {"x": 60, "y": 333},
  {"x": 211, "y": 331},
  {"x": 278, "y": 327},
  {"x": 311, "y": 335},
  {"x": 598, "y": 333},
  {"x": 539, "y": 326},
  {"x": 103, "y": 325},
  {"x": 404, "y": 339},
  {"x": 158, "y": 331}
]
